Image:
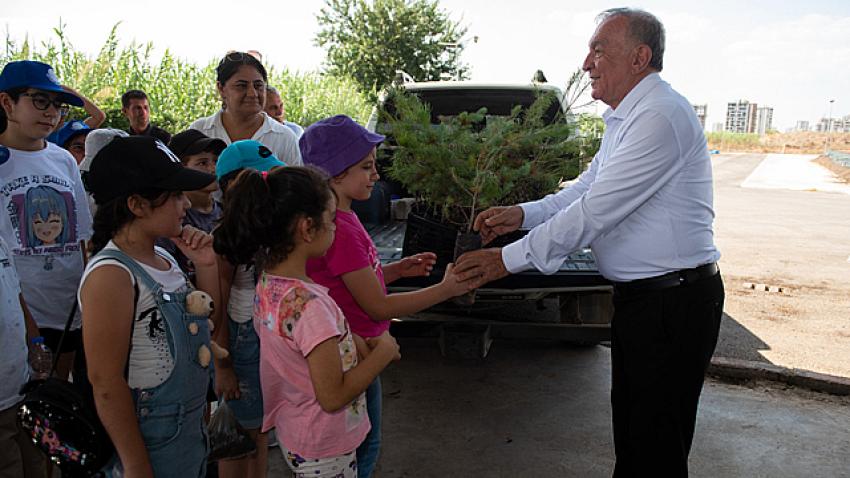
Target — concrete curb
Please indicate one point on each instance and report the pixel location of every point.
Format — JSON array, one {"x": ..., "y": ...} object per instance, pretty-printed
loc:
[{"x": 749, "y": 370}]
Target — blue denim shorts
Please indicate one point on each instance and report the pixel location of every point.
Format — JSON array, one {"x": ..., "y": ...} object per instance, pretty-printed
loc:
[{"x": 245, "y": 354}]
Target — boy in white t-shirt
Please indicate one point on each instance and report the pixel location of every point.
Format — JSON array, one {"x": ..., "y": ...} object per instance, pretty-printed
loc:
[
  {"x": 45, "y": 215},
  {"x": 18, "y": 456}
]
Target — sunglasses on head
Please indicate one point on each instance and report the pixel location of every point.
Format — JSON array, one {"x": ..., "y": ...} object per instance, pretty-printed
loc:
[{"x": 234, "y": 55}]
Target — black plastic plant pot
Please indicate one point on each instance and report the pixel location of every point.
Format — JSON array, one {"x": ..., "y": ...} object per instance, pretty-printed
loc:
[
  {"x": 426, "y": 234},
  {"x": 466, "y": 242}
]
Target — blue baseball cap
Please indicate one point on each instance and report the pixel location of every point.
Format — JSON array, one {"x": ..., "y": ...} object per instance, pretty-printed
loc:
[
  {"x": 35, "y": 74},
  {"x": 68, "y": 131},
  {"x": 335, "y": 144},
  {"x": 247, "y": 153}
]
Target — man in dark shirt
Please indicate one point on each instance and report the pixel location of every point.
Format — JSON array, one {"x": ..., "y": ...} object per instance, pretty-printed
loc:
[{"x": 134, "y": 105}]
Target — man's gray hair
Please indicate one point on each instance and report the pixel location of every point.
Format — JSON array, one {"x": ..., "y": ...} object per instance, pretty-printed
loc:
[
  {"x": 644, "y": 28},
  {"x": 272, "y": 89}
]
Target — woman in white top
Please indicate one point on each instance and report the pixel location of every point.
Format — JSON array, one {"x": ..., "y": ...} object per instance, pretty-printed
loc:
[{"x": 241, "y": 81}]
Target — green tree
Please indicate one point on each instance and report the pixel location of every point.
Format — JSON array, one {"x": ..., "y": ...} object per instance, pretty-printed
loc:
[{"x": 369, "y": 41}]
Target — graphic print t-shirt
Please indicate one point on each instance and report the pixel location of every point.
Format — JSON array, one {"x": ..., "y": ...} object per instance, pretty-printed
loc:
[
  {"x": 45, "y": 216},
  {"x": 291, "y": 318},
  {"x": 150, "y": 361}
]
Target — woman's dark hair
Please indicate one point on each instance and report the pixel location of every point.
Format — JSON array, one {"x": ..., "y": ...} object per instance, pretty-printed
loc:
[
  {"x": 15, "y": 94},
  {"x": 111, "y": 216},
  {"x": 229, "y": 65},
  {"x": 260, "y": 213}
]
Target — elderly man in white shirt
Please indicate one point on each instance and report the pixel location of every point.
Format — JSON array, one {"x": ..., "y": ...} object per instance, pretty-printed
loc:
[{"x": 645, "y": 207}]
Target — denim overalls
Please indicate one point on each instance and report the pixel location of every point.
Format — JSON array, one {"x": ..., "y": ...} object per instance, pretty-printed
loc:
[{"x": 171, "y": 415}]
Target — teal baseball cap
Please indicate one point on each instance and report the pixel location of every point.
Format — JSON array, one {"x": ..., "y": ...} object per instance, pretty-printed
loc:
[
  {"x": 35, "y": 74},
  {"x": 247, "y": 153}
]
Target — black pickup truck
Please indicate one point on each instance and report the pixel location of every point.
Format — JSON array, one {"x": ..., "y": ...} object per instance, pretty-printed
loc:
[{"x": 573, "y": 305}]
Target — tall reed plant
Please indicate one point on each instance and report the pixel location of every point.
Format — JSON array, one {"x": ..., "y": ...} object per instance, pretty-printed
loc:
[{"x": 179, "y": 91}]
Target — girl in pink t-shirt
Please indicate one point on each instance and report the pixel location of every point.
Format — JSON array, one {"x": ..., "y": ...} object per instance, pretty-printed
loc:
[
  {"x": 312, "y": 381},
  {"x": 351, "y": 269}
]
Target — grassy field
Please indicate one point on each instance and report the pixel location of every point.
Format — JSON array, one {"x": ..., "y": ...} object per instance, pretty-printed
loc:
[{"x": 797, "y": 143}]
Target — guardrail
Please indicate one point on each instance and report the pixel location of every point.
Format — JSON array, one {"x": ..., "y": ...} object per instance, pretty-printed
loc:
[{"x": 840, "y": 158}]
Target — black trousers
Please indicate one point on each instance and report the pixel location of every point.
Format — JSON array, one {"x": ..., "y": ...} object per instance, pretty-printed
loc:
[{"x": 662, "y": 343}]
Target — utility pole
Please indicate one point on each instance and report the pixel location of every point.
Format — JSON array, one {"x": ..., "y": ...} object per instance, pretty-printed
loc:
[{"x": 829, "y": 126}]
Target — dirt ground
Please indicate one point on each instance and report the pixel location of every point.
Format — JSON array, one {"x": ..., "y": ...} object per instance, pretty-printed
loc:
[
  {"x": 799, "y": 240},
  {"x": 843, "y": 172}
]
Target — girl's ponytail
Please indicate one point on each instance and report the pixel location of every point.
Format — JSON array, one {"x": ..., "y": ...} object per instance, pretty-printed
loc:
[{"x": 261, "y": 210}]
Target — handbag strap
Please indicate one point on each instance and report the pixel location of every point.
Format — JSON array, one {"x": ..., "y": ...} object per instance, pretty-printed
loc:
[{"x": 62, "y": 338}]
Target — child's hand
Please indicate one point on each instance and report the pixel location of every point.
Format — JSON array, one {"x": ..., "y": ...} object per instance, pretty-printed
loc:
[
  {"x": 362, "y": 347},
  {"x": 196, "y": 245},
  {"x": 226, "y": 384},
  {"x": 385, "y": 344},
  {"x": 451, "y": 284},
  {"x": 417, "y": 265}
]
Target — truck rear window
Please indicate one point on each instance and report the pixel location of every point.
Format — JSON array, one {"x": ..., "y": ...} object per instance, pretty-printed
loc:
[{"x": 452, "y": 102}]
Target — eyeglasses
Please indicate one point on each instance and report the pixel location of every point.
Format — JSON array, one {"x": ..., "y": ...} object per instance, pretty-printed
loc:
[{"x": 42, "y": 102}]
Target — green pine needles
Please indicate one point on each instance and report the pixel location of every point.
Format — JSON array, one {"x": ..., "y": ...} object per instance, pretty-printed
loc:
[{"x": 472, "y": 161}]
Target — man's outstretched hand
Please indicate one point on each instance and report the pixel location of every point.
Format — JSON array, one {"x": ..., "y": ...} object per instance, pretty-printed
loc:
[
  {"x": 480, "y": 267},
  {"x": 496, "y": 221}
]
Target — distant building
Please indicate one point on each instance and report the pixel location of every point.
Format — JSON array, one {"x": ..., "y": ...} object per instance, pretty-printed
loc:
[
  {"x": 718, "y": 127},
  {"x": 701, "y": 111},
  {"x": 764, "y": 120},
  {"x": 802, "y": 126},
  {"x": 834, "y": 125},
  {"x": 741, "y": 117}
]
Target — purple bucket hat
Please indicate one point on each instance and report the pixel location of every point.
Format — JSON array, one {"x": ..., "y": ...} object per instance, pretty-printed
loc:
[{"x": 335, "y": 144}]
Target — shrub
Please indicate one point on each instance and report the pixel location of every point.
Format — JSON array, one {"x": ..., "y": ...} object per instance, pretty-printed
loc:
[{"x": 473, "y": 161}]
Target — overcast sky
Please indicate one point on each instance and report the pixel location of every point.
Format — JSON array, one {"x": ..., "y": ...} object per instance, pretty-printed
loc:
[{"x": 791, "y": 55}]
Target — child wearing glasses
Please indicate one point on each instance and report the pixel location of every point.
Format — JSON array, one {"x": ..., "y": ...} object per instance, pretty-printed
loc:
[{"x": 45, "y": 214}]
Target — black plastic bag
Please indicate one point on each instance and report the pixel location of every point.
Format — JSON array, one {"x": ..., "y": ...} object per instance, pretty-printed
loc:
[{"x": 227, "y": 438}]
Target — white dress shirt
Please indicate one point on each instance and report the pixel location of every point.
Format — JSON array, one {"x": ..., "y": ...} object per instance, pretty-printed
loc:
[
  {"x": 645, "y": 205},
  {"x": 275, "y": 136}
]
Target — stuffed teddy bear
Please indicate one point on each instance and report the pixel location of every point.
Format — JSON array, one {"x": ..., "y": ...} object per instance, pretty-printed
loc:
[{"x": 200, "y": 303}]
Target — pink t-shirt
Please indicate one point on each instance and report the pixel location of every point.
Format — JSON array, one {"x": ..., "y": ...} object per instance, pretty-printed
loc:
[
  {"x": 292, "y": 317},
  {"x": 351, "y": 250}
]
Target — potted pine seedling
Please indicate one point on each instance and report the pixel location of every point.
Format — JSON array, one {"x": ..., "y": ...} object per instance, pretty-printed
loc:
[{"x": 471, "y": 161}]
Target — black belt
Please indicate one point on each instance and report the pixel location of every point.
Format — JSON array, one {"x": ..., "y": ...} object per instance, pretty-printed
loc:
[{"x": 666, "y": 281}]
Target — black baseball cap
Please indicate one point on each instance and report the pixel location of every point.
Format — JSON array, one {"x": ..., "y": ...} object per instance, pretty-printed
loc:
[
  {"x": 192, "y": 141},
  {"x": 135, "y": 164}
]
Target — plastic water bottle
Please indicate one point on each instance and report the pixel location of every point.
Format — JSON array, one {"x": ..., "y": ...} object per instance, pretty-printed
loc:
[{"x": 41, "y": 359}]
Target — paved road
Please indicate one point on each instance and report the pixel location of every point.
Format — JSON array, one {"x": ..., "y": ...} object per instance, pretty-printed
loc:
[
  {"x": 799, "y": 239},
  {"x": 541, "y": 409}
]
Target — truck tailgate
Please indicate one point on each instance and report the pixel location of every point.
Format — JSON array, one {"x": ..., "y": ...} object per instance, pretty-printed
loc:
[{"x": 578, "y": 272}]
